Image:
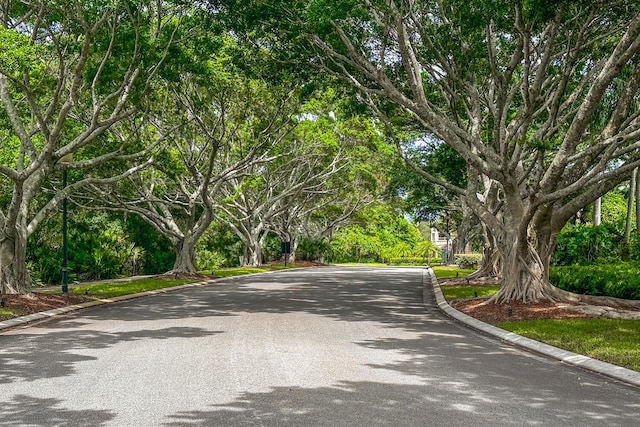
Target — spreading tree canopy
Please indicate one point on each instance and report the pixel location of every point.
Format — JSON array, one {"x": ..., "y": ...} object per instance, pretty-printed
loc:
[{"x": 539, "y": 98}]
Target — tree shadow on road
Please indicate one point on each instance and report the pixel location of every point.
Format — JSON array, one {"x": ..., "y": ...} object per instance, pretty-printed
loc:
[
  {"x": 437, "y": 403},
  {"x": 26, "y": 410},
  {"x": 21, "y": 357},
  {"x": 393, "y": 299}
]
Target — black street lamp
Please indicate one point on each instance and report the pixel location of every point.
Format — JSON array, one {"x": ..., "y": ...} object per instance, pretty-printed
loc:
[{"x": 65, "y": 253}]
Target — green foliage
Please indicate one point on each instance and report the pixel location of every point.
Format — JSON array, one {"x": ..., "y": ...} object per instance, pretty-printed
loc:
[
  {"x": 587, "y": 244},
  {"x": 621, "y": 280},
  {"x": 610, "y": 340},
  {"x": 614, "y": 209},
  {"x": 468, "y": 261},
  {"x": 312, "y": 249},
  {"x": 379, "y": 233},
  {"x": 424, "y": 200},
  {"x": 408, "y": 260},
  {"x": 208, "y": 260},
  {"x": 221, "y": 241},
  {"x": 101, "y": 246},
  {"x": 159, "y": 255},
  {"x": 18, "y": 55}
]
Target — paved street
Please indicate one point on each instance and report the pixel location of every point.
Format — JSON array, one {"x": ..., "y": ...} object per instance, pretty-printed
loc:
[{"x": 326, "y": 346}]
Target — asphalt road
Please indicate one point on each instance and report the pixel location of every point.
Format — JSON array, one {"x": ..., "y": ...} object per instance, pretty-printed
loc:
[{"x": 326, "y": 346}]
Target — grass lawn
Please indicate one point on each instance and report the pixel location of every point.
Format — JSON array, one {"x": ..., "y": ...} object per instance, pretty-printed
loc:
[
  {"x": 464, "y": 292},
  {"x": 446, "y": 271},
  {"x": 361, "y": 264},
  {"x": 117, "y": 289},
  {"x": 240, "y": 271},
  {"x": 610, "y": 340}
]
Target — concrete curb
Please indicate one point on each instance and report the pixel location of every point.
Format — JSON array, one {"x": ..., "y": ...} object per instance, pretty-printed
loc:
[
  {"x": 430, "y": 284},
  {"x": 44, "y": 315}
]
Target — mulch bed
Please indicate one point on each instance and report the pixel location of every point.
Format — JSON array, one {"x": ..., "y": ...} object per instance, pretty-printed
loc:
[
  {"x": 37, "y": 302},
  {"x": 496, "y": 313}
]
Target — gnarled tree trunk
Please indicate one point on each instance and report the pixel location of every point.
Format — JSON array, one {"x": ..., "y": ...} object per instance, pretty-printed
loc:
[
  {"x": 185, "y": 262},
  {"x": 14, "y": 275}
]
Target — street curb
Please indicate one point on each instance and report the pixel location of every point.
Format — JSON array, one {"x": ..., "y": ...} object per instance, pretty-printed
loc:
[
  {"x": 44, "y": 315},
  {"x": 629, "y": 376}
]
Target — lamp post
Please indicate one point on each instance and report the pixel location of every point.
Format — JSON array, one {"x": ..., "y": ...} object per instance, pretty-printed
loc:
[{"x": 65, "y": 253}]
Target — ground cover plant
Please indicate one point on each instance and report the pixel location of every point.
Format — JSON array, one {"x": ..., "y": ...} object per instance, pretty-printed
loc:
[{"x": 620, "y": 280}]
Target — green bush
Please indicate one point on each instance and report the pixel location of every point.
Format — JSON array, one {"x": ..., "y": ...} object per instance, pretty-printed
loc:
[
  {"x": 621, "y": 280},
  {"x": 99, "y": 248},
  {"x": 312, "y": 250},
  {"x": 208, "y": 260},
  {"x": 410, "y": 260},
  {"x": 468, "y": 261},
  {"x": 587, "y": 244}
]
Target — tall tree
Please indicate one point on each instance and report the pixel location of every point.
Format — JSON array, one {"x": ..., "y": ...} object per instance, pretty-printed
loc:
[
  {"x": 226, "y": 125},
  {"x": 70, "y": 72},
  {"x": 513, "y": 87},
  {"x": 262, "y": 196}
]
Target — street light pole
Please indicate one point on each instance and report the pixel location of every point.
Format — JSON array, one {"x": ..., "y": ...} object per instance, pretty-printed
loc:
[{"x": 65, "y": 253}]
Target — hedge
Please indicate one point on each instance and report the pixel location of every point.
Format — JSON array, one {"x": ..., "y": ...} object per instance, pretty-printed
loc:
[
  {"x": 468, "y": 261},
  {"x": 621, "y": 280}
]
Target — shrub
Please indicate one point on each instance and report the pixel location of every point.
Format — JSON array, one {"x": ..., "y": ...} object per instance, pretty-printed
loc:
[
  {"x": 621, "y": 280},
  {"x": 468, "y": 261},
  {"x": 208, "y": 260},
  {"x": 587, "y": 244},
  {"x": 409, "y": 260}
]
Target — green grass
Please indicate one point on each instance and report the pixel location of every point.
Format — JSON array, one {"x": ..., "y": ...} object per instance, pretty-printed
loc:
[
  {"x": 610, "y": 340},
  {"x": 117, "y": 289},
  {"x": 362, "y": 264},
  {"x": 230, "y": 272},
  {"x": 445, "y": 271},
  {"x": 8, "y": 313},
  {"x": 240, "y": 271},
  {"x": 464, "y": 292}
]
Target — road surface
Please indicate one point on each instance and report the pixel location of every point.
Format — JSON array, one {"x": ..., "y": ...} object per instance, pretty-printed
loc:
[{"x": 316, "y": 347}]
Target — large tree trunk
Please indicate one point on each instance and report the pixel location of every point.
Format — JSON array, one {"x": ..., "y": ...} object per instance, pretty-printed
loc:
[
  {"x": 294, "y": 248},
  {"x": 491, "y": 266},
  {"x": 14, "y": 276},
  {"x": 627, "y": 228},
  {"x": 185, "y": 250},
  {"x": 252, "y": 250},
  {"x": 524, "y": 273}
]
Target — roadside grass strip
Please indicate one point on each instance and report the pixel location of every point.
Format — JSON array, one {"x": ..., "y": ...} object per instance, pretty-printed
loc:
[
  {"x": 9, "y": 313},
  {"x": 465, "y": 292},
  {"x": 609, "y": 340},
  {"x": 446, "y": 271},
  {"x": 118, "y": 289}
]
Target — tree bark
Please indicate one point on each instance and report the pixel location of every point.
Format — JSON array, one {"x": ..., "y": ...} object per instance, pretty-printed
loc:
[
  {"x": 524, "y": 271},
  {"x": 185, "y": 262},
  {"x": 491, "y": 259},
  {"x": 14, "y": 275},
  {"x": 628, "y": 222},
  {"x": 252, "y": 251}
]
